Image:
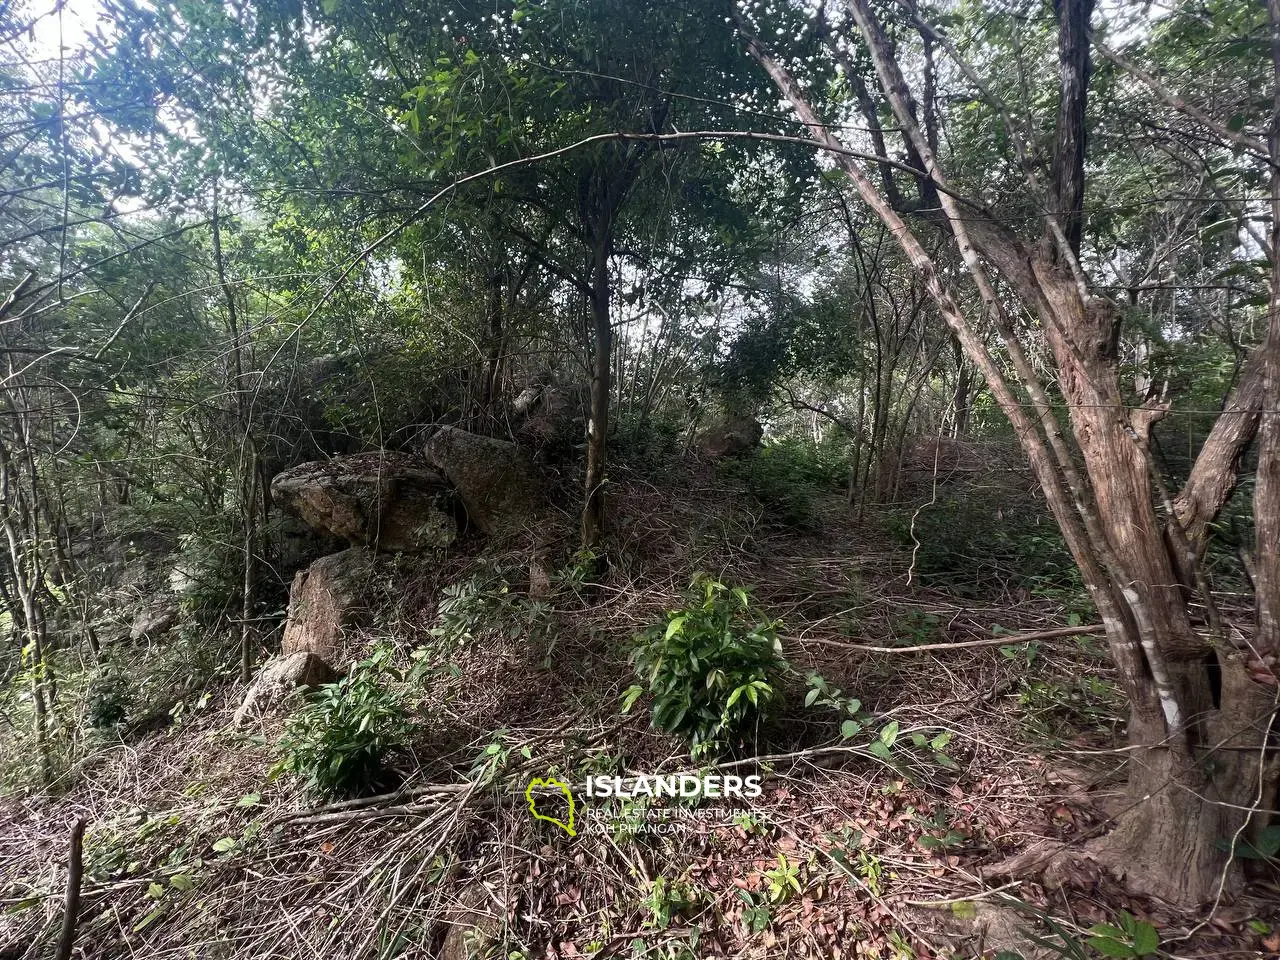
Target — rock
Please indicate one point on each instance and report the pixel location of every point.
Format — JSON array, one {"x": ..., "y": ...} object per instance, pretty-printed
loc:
[
  {"x": 279, "y": 680},
  {"x": 386, "y": 500},
  {"x": 298, "y": 544},
  {"x": 547, "y": 419},
  {"x": 155, "y": 619},
  {"x": 735, "y": 436},
  {"x": 500, "y": 486},
  {"x": 326, "y": 600}
]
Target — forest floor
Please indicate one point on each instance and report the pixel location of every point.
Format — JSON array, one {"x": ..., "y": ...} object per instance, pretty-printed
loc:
[{"x": 193, "y": 850}]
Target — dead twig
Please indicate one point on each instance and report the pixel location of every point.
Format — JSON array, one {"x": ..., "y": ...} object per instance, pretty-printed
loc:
[{"x": 968, "y": 644}]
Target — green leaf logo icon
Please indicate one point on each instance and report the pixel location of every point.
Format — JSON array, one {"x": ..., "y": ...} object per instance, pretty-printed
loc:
[{"x": 550, "y": 783}]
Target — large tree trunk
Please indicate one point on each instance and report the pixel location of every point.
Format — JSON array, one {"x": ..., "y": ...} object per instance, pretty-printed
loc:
[{"x": 601, "y": 370}]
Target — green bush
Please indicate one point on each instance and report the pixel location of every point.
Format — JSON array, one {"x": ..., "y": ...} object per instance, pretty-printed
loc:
[
  {"x": 109, "y": 698},
  {"x": 787, "y": 477},
  {"x": 338, "y": 740},
  {"x": 649, "y": 443},
  {"x": 484, "y": 603},
  {"x": 712, "y": 667}
]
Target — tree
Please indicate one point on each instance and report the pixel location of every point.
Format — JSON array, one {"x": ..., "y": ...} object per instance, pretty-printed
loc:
[{"x": 1193, "y": 696}]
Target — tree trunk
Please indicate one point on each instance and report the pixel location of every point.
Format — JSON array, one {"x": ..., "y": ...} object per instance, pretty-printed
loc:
[
  {"x": 601, "y": 369},
  {"x": 247, "y": 457},
  {"x": 493, "y": 358}
]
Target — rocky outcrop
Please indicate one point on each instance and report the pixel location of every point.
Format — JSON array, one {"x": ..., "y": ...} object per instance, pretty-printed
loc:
[
  {"x": 547, "y": 419},
  {"x": 735, "y": 436},
  {"x": 326, "y": 601},
  {"x": 389, "y": 501},
  {"x": 154, "y": 619},
  {"x": 501, "y": 488},
  {"x": 279, "y": 681}
]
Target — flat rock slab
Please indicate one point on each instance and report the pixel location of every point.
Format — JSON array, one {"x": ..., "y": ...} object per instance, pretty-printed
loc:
[{"x": 389, "y": 501}]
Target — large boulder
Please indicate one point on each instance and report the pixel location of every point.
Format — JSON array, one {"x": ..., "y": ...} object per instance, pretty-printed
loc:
[
  {"x": 155, "y": 619},
  {"x": 389, "y": 501},
  {"x": 734, "y": 436},
  {"x": 279, "y": 681},
  {"x": 501, "y": 488},
  {"x": 326, "y": 601}
]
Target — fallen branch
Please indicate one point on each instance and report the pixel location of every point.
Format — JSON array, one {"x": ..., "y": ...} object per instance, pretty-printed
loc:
[
  {"x": 973, "y": 896},
  {"x": 71, "y": 906},
  {"x": 968, "y": 644}
]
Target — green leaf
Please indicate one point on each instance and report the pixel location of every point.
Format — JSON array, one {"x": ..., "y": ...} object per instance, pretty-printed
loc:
[
  {"x": 889, "y": 733},
  {"x": 811, "y": 696},
  {"x": 155, "y": 890},
  {"x": 1146, "y": 940},
  {"x": 150, "y": 918},
  {"x": 225, "y": 845},
  {"x": 180, "y": 881},
  {"x": 1268, "y": 841},
  {"x": 630, "y": 697},
  {"x": 1109, "y": 947},
  {"x": 850, "y": 729}
]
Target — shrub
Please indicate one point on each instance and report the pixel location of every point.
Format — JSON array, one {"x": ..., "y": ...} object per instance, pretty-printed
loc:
[
  {"x": 109, "y": 698},
  {"x": 647, "y": 443},
  {"x": 965, "y": 542},
  {"x": 712, "y": 667},
  {"x": 338, "y": 740},
  {"x": 484, "y": 603},
  {"x": 787, "y": 477}
]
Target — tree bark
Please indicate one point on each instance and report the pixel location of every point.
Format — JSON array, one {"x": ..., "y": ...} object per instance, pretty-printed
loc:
[
  {"x": 601, "y": 370},
  {"x": 1073, "y": 87},
  {"x": 1266, "y": 497},
  {"x": 71, "y": 900},
  {"x": 1217, "y": 466}
]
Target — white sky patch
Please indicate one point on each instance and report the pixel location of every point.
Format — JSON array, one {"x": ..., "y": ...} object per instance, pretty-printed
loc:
[{"x": 76, "y": 21}]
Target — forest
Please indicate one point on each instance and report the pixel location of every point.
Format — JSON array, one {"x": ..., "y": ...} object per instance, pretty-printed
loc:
[{"x": 639, "y": 478}]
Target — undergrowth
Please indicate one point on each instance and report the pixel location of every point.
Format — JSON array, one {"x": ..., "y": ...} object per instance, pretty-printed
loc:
[
  {"x": 713, "y": 667},
  {"x": 968, "y": 545},
  {"x": 788, "y": 477},
  {"x": 337, "y": 742}
]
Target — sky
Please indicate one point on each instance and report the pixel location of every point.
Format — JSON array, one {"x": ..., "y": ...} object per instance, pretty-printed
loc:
[{"x": 78, "y": 19}]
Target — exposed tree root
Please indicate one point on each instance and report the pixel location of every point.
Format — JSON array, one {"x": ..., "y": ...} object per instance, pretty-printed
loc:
[{"x": 1165, "y": 848}]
